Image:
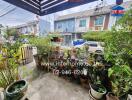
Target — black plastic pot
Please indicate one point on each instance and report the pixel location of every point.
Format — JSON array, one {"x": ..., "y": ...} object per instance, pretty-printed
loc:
[
  {"x": 39, "y": 58},
  {"x": 16, "y": 90},
  {"x": 111, "y": 96},
  {"x": 123, "y": 97}
]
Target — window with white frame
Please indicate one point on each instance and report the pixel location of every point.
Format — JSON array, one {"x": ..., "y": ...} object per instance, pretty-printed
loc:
[
  {"x": 99, "y": 21},
  {"x": 82, "y": 23}
]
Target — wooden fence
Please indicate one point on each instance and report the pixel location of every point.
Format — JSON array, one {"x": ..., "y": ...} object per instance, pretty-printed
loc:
[{"x": 26, "y": 54}]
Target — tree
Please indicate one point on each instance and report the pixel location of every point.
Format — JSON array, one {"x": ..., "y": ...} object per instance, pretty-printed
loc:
[{"x": 10, "y": 32}]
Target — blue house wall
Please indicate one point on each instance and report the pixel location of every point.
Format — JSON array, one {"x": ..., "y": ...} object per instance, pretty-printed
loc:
[
  {"x": 65, "y": 26},
  {"x": 44, "y": 27}
]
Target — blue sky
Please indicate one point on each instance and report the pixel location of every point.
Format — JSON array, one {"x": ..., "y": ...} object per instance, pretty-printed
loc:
[{"x": 20, "y": 16}]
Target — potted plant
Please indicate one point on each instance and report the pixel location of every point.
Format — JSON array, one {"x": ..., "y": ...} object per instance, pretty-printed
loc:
[
  {"x": 8, "y": 61},
  {"x": 16, "y": 90},
  {"x": 43, "y": 49},
  {"x": 121, "y": 78},
  {"x": 97, "y": 90},
  {"x": 91, "y": 59}
]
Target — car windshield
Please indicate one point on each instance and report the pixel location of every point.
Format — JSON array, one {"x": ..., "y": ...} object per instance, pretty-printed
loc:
[{"x": 93, "y": 45}]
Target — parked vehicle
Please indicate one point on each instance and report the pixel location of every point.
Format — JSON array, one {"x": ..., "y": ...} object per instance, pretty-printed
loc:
[{"x": 95, "y": 47}]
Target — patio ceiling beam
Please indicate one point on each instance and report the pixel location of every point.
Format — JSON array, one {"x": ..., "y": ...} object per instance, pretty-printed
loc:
[
  {"x": 44, "y": 7},
  {"x": 25, "y": 5},
  {"x": 53, "y": 4},
  {"x": 32, "y": 3},
  {"x": 60, "y": 5}
]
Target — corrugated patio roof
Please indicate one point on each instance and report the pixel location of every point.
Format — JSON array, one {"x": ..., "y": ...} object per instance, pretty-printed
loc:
[
  {"x": 92, "y": 12},
  {"x": 44, "y": 7}
]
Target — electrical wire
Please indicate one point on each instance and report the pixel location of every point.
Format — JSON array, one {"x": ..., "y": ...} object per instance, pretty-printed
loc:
[
  {"x": 5, "y": 8},
  {"x": 18, "y": 19},
  {"x": 8, "y": 12}
]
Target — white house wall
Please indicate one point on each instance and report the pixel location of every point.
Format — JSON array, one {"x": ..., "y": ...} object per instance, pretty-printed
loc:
[
  {"x": 112, "y": 22},
  {"x": 81, "y": 29},
  {"x": 43, "y": 28}
]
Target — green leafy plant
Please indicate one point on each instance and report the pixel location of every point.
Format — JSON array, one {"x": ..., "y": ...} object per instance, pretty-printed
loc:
[
  {"x": 42, "y": 43},
  {"x": 118, "y": 44},
  {"x": 101, "y": 89},
  {"x": 121, "y": 77},
  {"x": 9, "y": 62},
  {"x": 9, "y": 72},
  {"x": 96, "y": 35},
  {"x": 118, "y": 50},
  {"x": 10, "y": 32}
]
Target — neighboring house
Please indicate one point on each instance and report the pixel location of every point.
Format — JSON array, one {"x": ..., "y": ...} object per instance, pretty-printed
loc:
[
  {"x": 39, "y": 28},
  {"x": 82, "y": 24},
  {"x": 66, "y": 27},
  {"x": 99, "y": 22},
  {"x": 98, "y": 19}
]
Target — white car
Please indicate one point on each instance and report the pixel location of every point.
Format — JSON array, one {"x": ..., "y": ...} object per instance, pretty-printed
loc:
[{"x": 95, "y": 47}]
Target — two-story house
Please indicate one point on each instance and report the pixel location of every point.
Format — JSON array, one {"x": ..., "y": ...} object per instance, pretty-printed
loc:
[
  {"x": 66, "y": 27},
  {"x": 36, "y": 27},
  {"x": 98, "y": 19}
]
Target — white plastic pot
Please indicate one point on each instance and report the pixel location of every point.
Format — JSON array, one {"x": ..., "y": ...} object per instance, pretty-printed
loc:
[
  {"x": 1, "y": 93},
  {"x": 95, "y": 94}
]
